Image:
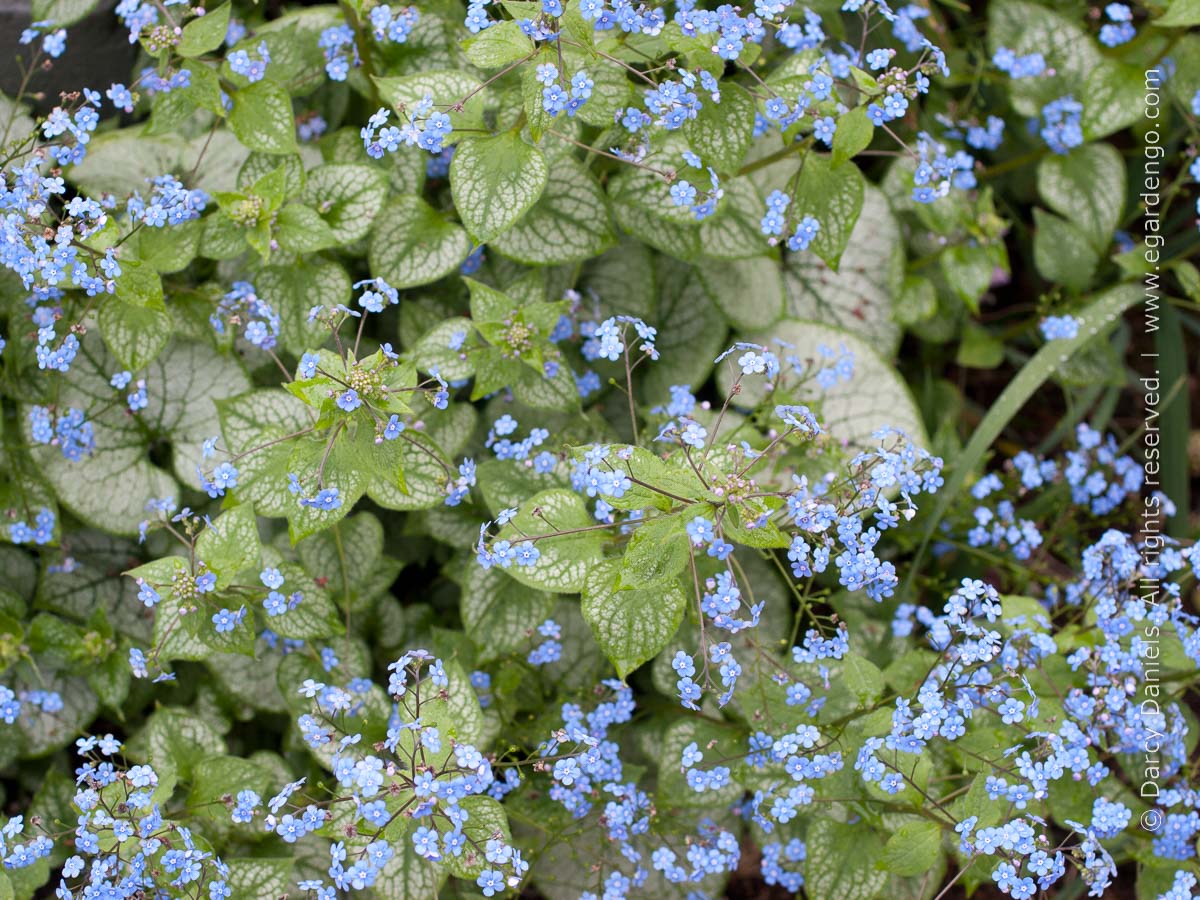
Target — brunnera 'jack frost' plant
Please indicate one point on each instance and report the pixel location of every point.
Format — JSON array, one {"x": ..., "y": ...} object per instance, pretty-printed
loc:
[{"x": 460, "y": 449}]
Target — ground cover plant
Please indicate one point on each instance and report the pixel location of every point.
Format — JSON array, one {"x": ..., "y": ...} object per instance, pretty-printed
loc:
[{"x": 587, "y": 449}]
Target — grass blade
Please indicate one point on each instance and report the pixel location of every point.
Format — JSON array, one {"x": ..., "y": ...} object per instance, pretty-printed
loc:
[{"x": 1095, "y": 320}]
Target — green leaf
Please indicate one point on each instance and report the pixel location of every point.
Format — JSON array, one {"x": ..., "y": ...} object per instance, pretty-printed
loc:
[
  {"x": 1087, "y": 187},
  {"x": 531, "y": 94},
  {"x": 40, "y": 734},
  {"x": 719, "y": 741},
  {"x": 832, "y": 873},
  {"x": 346, "y": 554},
  {"x": 565, "y": 560},
  {"x": 254, "y": 420},
  {"x": 1156, "y": 877},
  {"x": 413, "y": 244},
  {"x": 111, "y": 486},
  {"x": 341, "y": 458},
  {"x": 177, "y": 737},
  {"x": 488, "y": 305},
  {"x": 26, "y": 882},
  {"x": 294, "y": 289},
  {"x": 721, "y": 132},
  {"x": 917, "y": 301},
  {"x": 110, "y": 679},
  {"x": 980, "y": 349},
  {"x": 859, "y": 295},
  {"x": 423, "y": 468},
  {"x": 499, "y": 614},
  {"x": 61, "y": 12},
  {"x": 14, "y": 119},
  {"x": 139, "y": 285},
  {"x": 611, "y": 88},
  {"x": 171, "y": 249},
  {"x": 623, "y": 280},
  {"x": 504, "y": 483},
  {"x": 674, "y": 476},
  {"x": 230, "y": 545},
  {"x": 648, "y": 190},
  {"x": 117, "y": 161},
  {"x": 658, "y": 551},
  {"x": 172, "y": 111},
  {"x": 348, "y": 198},
  {"x": 630, "y": 626},
  {"x": 271, "y": 187},
  {"x": 258, "y": 165},
  {"x": 217, "y": 776},
  {"x": 834, "y": 196},
  {"x": 316, "y": 616},
  {"x": 1070, "y": 52},
  {"x": 292, "y": 39},
  {"x": 680, "y": 241},
  {"x": 51, "y": 635},
  {"x": 204, "y": 34},
  {"x": 299, "y": 229},
  {"x": 1114, "y": 98},
  {"x": 250, "y": 681},
  {"x": 501, "y": 44},
  {"x": 913, "y": 849},
  {"x": 1188, "y": 277},
  {"x": 408, "y": 876},
  {"x": 735, "y": 230},
  {"x": 487, "y": 820},
  {"x": 969, "y": 269},
  {"x": 748, "y": 291},
  {"x": 259, "y": 877},
  {"x": 222, "y": 239},
  {"x": 95, "y": 583},
  {"x": 452, "y": 428},
  {"x": 134, "y": 334},
  {"x": 1062, "y": 252},
  {"x": 853, "y": 135},
  {"x": 1180, "y": 14},
  {"x": 262, "y": 118},
  {"x": 568, "y": 224},
  {"x": 183, "y": 633},
  {"x": 494, "y": 181},
  {"x": 691, "y": 331},
  {"x": 863, "y": 678},
  {"x": 1185, "y": 78},
  {"x": 433, "y": 350}
]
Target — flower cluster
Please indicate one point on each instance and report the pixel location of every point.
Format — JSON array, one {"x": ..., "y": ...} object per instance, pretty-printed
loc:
[
  {"x": 118, "y": 807},
  {"x": 423, "y": 127},
  {"x": 69, "y": 431},
  {"x": 1061, "y": 128},
  {"x": 242, "y": 306}
]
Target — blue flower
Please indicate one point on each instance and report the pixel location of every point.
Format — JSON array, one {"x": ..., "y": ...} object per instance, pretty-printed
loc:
[
  {"x": 554, "y": 99},
  {"x": 393, "y": 429},
  {"x": 824, "y": 128},
  {"x": 349, "y": 400},
  {"x": 225, "y": 621},
  {"x": 805, "y": 231},
  {"x": 683, "y": 194},
  {"x": 252, "y": 70},
  {"x": 490, "y": 882},
  {"x": 1059, "y": 328}
]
